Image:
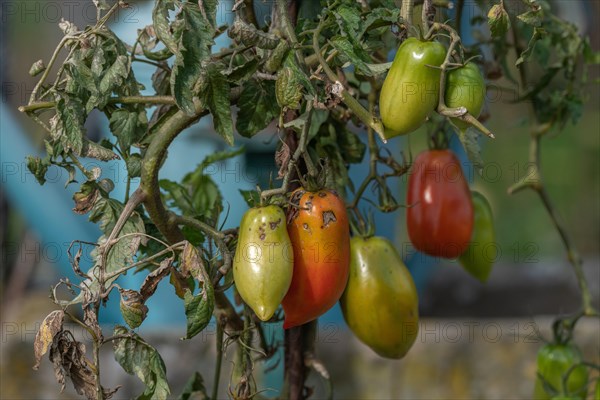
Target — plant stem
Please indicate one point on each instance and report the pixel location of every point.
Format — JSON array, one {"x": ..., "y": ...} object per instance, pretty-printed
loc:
[
  {"x": 34, "y": 106},
  {"x": 215, "y": 391},
  {"x": 339, "y": 90},
  {"x": 533, "y": 180},
  {"x": 425, "y": 12},
  {"x": 406, "y": 12}
]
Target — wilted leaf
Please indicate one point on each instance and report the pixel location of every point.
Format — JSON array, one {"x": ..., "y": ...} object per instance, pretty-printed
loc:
[
  {"x": 51, "y": 326},
  {"x": 181, "y": 283},
  {"x": 153, "y": 279},
  {"x": 353, "y": 53},
  {"x": 160, "y": 18},
  {"x": 498, "y": 20},
  {"x": 128, "y": 126},
  {"x": 198, "y": 308},
  {"x": 85, "y": 198},
  {"x": 538, "y": 34},
  {"x": 248, "y": 35},
  {"x": 139, "y": 358},
  {"x": 37, "y": 68},
  {"x": 67, "y": 125},
  {"x": 242, "y": 73},
  {"x": 256, "y": 107},
  {"x": 533, "y": 17},
  {"x": 194, "y": 389},
  {"x": 251, "y": 197},
  {"x": 132, "y": 307}
]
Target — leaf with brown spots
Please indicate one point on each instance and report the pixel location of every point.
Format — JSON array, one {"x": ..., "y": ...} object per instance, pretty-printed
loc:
[{"x": 51, "y": 326}]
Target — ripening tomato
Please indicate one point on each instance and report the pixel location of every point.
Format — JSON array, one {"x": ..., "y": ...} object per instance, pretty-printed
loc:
[
  {"x": 465, "y": 87},
  {"x": 411, "y": 88},
  {"x": 380, "y": 303},
  {"x": 440, "y": 211},
  {"x": 320, "y": 234},
  {"x": 554, "y": 361},
  {"x": 478, "y": 259},
  {"x": 263, "y": 262}
]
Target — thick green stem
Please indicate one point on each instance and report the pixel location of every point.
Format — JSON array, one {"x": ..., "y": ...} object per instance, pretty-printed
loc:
[
  {"x": 115, "y": 100},
  {"x": 215, "y": 391},
  {"x": 406, "y": 12}
]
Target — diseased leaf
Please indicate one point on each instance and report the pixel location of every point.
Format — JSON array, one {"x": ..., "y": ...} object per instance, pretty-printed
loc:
[
  {"x": 381, "y": 16},
  {"x": 194, "y": 389},
  {"x": 128, "y": 126},
  {"x": 138, "y": 358},
  {"x": 50, "y": 327},
  {"x": 216, "y": 97},
  {"x": 532, "y": 17},
  {"x": 114, "y": 76},
  {"x": 242, "y": 73},
  {"x": 198, "y": 308},
  {"x": 194, "y": 47},
  {"x": 132, "y": 307},
  {"x": 355, "y": 55},
  {"x": 86, "y": 197},
  {"x": 287, "y": 89},
  {"x": 38, "y": 167},
  {"x": 67, "y": 125},
  {"x": 94, "y": 150},
  {"x": 160, "y": 18},
  {"x": 256, "y": 107},
  {"x": 538, "y": 34},
  {"x": 153, "y": 279},
  {"x": 498, "y": 20},
  {"x": 248, "y": 35}
]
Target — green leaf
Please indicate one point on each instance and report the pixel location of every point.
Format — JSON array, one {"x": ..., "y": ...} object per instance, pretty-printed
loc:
[
  {"x": 216, "y": 97},
  {"x": 198, "y": 308},
  {"x": 468, "y": 138},
  {"x": 251, "y": 197},
  {"x": 379, "y": 17},
  {"x": 355, "y": 55},
  {"x": 352, "y": 148},
  {"x": 318, "y": 118},
  {"x": 194, "y": 389},
  {"x": 38, "y": 167},
  {"x": 134, "y": 165},
  {"x": 242, "y": 73},
  {"x": 177, "y": 196},
  {"x": 379, "y": 69},
  {"x": 194, "y": 47},
  {"x": 128, "y": 126},
  {"x": 67, "y": 125},
  {"x": 138, "y": 358},
  {"x": 160, "y": 18},
  {"x": 538, "y": 34},
  {"x": 114, "y": 75},
  {"x": 498, "y": 20},
  {"x": 256, "y": 107},
  {"x": 290, "y": 62},
  {"x": 533, "y": 17},
  {"x": 350, "y": 17},
  {"x": 220, "y": 156}
]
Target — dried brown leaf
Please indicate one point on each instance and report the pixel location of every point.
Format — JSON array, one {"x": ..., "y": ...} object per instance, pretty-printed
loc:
[{"x": 51, "y": 326}]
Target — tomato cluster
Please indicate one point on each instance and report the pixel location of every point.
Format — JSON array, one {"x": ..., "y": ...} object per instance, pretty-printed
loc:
[{"x": 305, "y": 260}]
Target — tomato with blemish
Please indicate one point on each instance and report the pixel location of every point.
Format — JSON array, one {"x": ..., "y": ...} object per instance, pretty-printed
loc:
[
  {"x": 440, "y": 212},
  {"x": 318, "y": 226},
  {"x": 263, "y": 262}
]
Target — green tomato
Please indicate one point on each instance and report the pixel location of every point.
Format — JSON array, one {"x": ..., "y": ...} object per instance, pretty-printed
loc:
[
  {"x": 478, "y": 259},
  {"x": 264, "y": 260},
  {"x": 597, "y": 391},
  {"x": 554, "y": 361},
  {"x": 465, "y": 87},
  {"x": 411, "y": 89},
  {"x": 380, "y": 303}
]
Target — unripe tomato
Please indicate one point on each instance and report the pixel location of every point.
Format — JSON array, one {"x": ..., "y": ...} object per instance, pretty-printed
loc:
[
  {"x": 440, "y": 212},
  {"x": 478, "y": 259},
  {"x": 465, "y": 87},
  {"x": 411, "y": 88},
  {"x": 380, "y": 303},
  {"x": 320, "y": 234},
  {"x": 554, "y": 361},
  {"x": 263, "y": 263},
  {"x": 597, "y": 391}
]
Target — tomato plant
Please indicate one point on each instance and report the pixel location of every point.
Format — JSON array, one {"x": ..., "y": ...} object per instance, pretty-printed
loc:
[
  {"x": 308, "y": 75},
  {"x": 380, "y": 303},
  {"x": 320, "y": 235},
  {"x": 440, "y": 213},
  {"x": 410, "y": 91},
  {"x": 263, "y": 263}
]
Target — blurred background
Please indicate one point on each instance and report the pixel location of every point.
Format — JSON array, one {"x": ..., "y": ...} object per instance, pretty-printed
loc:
[{"x": 476, "y": 341}]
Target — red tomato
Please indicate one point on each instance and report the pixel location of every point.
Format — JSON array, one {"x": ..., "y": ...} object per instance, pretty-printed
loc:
[
  {"x": 440, "y": 213},
  {"x": 320, "y": 234}
]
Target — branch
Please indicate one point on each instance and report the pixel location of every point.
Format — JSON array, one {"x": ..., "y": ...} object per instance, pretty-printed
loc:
[
  {"x": 114, "y": 100},
  {"x": 339, "y": 90}
]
